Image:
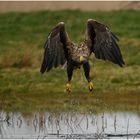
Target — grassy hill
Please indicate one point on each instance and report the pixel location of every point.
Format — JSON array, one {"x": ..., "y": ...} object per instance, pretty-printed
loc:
[{"x": 23, "y": 88}]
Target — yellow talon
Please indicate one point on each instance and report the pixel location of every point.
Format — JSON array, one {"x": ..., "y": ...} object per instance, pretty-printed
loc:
[
  {"x": 68, "y": 87},
  {"x": 90, "y": 86}
]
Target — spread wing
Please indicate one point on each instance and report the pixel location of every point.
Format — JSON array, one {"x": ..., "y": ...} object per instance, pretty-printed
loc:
[
  {"x": 55, "y": 53},
  {"x": 103, "y": 43}
]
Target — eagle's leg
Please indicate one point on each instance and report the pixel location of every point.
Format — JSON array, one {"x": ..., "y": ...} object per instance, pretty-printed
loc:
[
  {"x": 86, "y": 68},
  {"x": 69, "y": 74}
]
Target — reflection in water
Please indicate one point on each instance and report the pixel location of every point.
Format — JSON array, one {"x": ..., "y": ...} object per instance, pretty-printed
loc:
[{"x": 69, "y": 125}]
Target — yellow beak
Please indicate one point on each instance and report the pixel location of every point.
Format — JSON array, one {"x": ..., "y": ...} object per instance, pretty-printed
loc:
[{"x": 82, "y": 58}]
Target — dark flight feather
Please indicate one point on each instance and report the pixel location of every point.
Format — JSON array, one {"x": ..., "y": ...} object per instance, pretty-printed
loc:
[
  {"x": 55, "y": 48},
  {"x": 103, "y": 42}
]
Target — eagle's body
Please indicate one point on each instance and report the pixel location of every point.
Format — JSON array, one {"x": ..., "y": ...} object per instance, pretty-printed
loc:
[{"x": 60, "y": 50}]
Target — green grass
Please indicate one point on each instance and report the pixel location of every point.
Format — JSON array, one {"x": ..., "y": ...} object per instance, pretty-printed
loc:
[{"x": 23, "y": 88}]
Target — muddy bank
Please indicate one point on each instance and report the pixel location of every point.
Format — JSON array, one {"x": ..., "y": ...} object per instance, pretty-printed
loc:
[{"x": 27, "y": 6}]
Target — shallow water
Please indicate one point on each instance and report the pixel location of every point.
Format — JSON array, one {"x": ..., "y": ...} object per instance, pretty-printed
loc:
[{"x": 69, "y": 125}]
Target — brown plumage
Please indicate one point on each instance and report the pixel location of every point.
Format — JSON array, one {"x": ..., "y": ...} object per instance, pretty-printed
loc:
[{"x": 60, "y": 49}]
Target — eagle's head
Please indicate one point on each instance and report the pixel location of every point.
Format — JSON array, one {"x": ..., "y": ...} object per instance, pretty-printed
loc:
[{"x": 79, "y": 53}]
